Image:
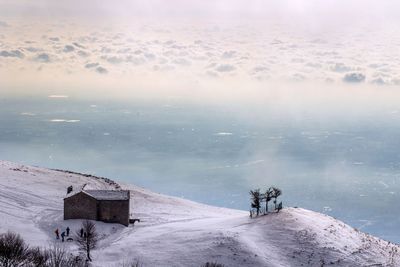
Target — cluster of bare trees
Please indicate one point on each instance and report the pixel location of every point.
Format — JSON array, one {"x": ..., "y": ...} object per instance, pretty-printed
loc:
[
  {"x": 258, "y": 198},
  {"x": 14, "y": 252}
]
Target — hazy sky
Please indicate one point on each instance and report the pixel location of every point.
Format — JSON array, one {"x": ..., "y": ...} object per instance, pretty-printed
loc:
[{"x": 206, "y": 8}]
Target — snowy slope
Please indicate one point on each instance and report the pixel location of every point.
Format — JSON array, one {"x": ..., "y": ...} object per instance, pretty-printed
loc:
[{"x": 177, "y": 232}]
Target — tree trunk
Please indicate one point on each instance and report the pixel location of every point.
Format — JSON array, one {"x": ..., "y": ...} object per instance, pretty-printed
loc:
[{"x": 88, "y": 252}]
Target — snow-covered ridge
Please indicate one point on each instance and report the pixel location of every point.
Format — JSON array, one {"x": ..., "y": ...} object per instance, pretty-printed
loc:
[{"x": 178, "y": 232}]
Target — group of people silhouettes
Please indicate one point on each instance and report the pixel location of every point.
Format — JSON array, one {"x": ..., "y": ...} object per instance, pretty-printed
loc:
[{"x": 64, "y": 234}]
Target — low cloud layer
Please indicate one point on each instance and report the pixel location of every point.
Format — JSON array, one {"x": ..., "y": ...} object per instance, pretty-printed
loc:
[{"x": 277, "y": 53}]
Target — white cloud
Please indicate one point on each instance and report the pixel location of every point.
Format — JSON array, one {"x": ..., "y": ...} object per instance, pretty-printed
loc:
[
  {"x": 33, "y": 49},
  {"x": 225, "y": 68},
  {"x": 354, "y": 77},
  {"x": 113, "y": 59},
  {"x": 340, "y": 67},
  {"x": 200, "y": 51},
  {"x": 228, "y": 54},
  {"x": 82, "y": 53},
  {"x": 258, "y": 69},
  {"x": 68, "y": 48},
  {"x": 182, "y": 62},
  {"x": 78, "y": 45},
  {"x": 42, "y": 57},
  {"x": 91, "y": 65},
  {"x": 12, "y": 53},
  {"x": 378, "y": 81},
  {"x": 101, "y": 70}
]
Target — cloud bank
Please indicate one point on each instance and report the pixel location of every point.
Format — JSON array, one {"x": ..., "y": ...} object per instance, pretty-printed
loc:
[{"x": 272, "y": 51}]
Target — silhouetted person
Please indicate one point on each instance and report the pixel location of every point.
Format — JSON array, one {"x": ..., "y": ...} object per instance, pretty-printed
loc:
[
  {"x": 57, "y": 233},
  {"x": 84, "y": 235},
  {"x": 62, "y": 236},
  {"x": 81, "y": 232},
  {"x": 67, "y": 231}
]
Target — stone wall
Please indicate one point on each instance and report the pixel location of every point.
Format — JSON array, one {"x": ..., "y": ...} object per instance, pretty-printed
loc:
[
  {"x": 114, "y": 211},
  {"x": 80, "y": 206}
]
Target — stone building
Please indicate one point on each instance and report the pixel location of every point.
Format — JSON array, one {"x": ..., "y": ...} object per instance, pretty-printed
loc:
[{"x": 111, "y": 206}]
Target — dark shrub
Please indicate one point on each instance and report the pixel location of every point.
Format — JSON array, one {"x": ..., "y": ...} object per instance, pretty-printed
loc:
[
  {"x": 13, "y": 250},
  {"x": 212, "y": 264}
]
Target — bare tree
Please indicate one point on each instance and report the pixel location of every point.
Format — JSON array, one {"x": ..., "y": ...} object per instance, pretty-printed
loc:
[
  {"x": 13, "y": 250},
  {"x": 38, "y": 257},
  {"x": 55, "y": 256},
  {"x": 279, "y": 206},
  {"x": 267, "y": 197},
  {"x": 15, "y": 253},
  {"x": 58, "y": 256},
  {"x": 276, "y": 192},
  {"x": 256, "y": 200},
  {"x": 88, "y": 241}
]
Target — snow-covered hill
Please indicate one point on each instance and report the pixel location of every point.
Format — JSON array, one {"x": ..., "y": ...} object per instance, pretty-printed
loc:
[{"x": 177, "y": 232}]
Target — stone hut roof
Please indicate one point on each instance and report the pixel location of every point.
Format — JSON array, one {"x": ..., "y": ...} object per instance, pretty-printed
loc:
[{"x": 108, "y": 194}]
